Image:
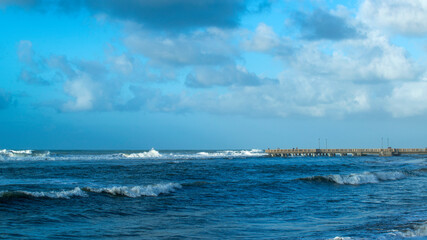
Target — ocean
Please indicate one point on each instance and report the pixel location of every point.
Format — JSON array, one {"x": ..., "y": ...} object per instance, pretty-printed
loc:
[{"x": 234, "y": 194}]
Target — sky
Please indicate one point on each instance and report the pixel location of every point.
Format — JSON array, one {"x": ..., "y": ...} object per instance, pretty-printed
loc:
[{"x": 212, "y": 74}]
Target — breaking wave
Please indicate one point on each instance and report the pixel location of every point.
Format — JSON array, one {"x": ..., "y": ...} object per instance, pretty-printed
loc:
[
  {"x": 66, "y": 194},
  {"x": 150, "y": 154},
  {"x": 199, "y": 155},
  {"x": 137, "y": 191},
  {"x": 133, "y": 192},
  {"x": 12, "y": 153},
  {"x": 415, "y": 230},
  {"x": 30, "y": 155},
  {"x": 233, "y": 154},
  {"x": 358, "y": 178},
  {"x": 17, "y": 154}
]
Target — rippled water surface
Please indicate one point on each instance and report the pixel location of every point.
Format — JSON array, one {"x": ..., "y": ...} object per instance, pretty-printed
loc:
[{"x": 210, "y": 195}]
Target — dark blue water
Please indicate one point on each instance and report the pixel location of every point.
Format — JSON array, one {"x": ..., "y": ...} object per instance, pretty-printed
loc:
[{"x": 210, "y": 195}]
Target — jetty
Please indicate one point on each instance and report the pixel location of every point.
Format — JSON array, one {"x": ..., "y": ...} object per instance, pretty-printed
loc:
[{"x": 383, "y": 152}]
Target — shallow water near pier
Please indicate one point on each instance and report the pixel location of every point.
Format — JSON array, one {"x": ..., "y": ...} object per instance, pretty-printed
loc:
[{"x": 210, "y": 195}]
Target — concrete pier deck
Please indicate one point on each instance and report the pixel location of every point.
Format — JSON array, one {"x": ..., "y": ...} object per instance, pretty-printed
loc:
[{"x": 345, "y": 152}]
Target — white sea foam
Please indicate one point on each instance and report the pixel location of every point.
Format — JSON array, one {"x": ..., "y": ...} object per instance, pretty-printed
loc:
[
  {"x": 150, "y": 154},
  {"x": 15, "y": 153},
  {"x": 200, "y": 155},
  {"x": 367, "y": 177},
  {"x": 8, "y": 154},
  {"x": 416, "y": 230},
  {"x": 133, "y": 192},
  {"x": 340, "y": 238},
  {"x": 137, "y": 191},
  {"x": 30, "y": 155},
  {"x": 359, "y": 178},
  {"x": 203, "y": 154},
  {"x": 232, "y": 154},
  {"x": 66, "y": 194}
]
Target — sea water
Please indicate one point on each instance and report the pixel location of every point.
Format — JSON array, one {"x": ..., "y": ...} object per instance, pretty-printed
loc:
[{"x": 226, "y": 194}]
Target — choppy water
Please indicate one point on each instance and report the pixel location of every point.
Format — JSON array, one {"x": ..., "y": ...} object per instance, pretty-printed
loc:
[{"x": 209, "y": 195}]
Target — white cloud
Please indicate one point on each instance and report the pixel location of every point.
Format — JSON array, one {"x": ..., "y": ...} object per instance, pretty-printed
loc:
[
  {"x": 321, "y": 78},
  {"x": 210, "y": 47},
  {"x": 298, "y": 96},
  {"x": 407, "y": 17},
  {"x": 408, "y": 99},
  {"x": 81, "y": 89},
  {"x": 263, "y": 39},
  {"x": 122, "y": 63},
  {"x": 371, "y": 59},
  {"x": 377, "y": 58}
]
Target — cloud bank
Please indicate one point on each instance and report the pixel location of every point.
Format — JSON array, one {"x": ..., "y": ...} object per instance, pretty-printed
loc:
[
  {"x": 397, "y": 16},
  {"x": 187, "y": 56}
]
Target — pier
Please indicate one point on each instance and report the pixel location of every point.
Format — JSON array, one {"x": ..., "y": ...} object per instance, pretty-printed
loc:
[{"x": 383, "y": 152}]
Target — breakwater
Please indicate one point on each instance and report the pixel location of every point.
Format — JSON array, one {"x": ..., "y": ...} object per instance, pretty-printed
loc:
[{"x": 344, "y": 152}]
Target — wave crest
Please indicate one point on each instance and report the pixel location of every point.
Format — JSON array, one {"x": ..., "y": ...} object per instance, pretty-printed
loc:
[
  {"x": 416, "y": 230},
  {"x": 133, "y": 192},
  {"x": 232, "y": 154},
  {"x": 150, "y": 154},
  {"x": 358, "y": 178},
  {"x": 15, "y": 153},
  {"x": 137, "y": 191},
  {"x": 18, "y": 154},
  {"x": 31, "y": 155},
  {"x": 204, "y": 155},
  {"x": 66, "y": 194}
]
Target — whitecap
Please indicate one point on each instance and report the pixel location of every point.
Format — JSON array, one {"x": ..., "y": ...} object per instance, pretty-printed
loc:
[
  {"x": 416, "y": 230},
  {"x": 355, "y": 179},
  {"x": 15, "y": 153},
  {"x": 66, "y": 194},
  {"x": 359, "y": 178},
  {"x": 232, "y": 154},
  {"x": 30, "y": 155},
  {"x": 203, "y": 153},
  {"x": 150, "y": 154},
  {"x": 137, "y": 191},
  {"x": 8, "y": 154}
]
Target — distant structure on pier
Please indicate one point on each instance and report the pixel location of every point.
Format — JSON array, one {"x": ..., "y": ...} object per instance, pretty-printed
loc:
[{"x": 344, "y": 152}]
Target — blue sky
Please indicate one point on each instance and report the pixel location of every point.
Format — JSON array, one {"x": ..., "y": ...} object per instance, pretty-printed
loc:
[{"x": 202, "y": 74}]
